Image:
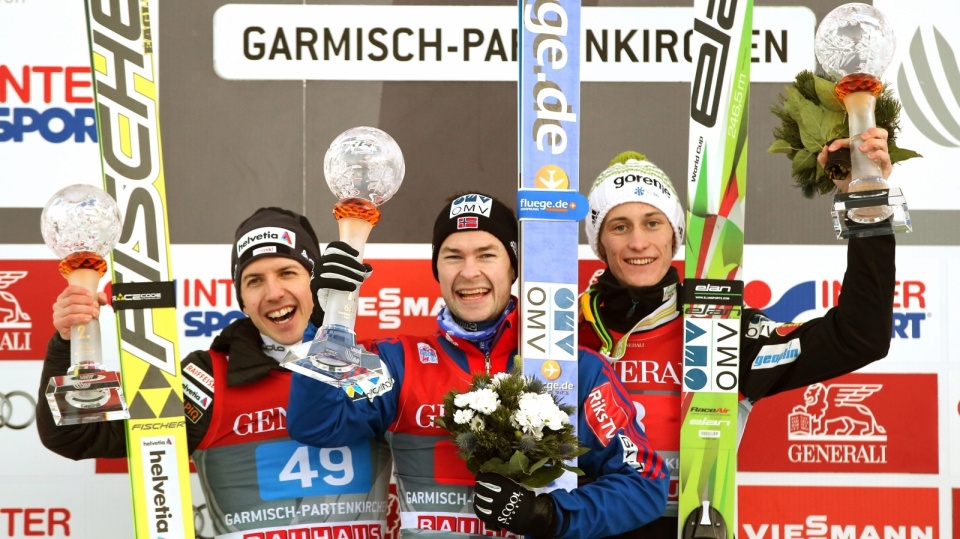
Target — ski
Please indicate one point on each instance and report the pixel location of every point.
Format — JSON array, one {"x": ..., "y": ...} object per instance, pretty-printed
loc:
[
  {"x": 713, "y": 289},
  {"x": 549, "y": 203},
  {"x": 125, "y": 92}
]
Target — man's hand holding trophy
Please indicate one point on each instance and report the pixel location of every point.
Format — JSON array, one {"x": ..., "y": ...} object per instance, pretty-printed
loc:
[
  {"x": 363, "y": 168},
  {"x": 81, "y": 224}
]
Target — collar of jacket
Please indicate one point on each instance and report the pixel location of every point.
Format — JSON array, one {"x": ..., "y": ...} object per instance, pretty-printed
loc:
[
  {"x": 507, "y": 335},
  {"x": 242, "y": 344},
  {"x": 621, "y": 307}
]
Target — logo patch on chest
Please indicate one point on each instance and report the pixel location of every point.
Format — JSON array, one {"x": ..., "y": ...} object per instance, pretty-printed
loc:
[{"x": 427, "y": 353}]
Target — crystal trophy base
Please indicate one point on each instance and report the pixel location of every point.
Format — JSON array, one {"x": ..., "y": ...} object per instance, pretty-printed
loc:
[
  {"x": 87, "y": 396},
  {"x": 335, "y": 358},
  {"x": 846, "y": 227}
]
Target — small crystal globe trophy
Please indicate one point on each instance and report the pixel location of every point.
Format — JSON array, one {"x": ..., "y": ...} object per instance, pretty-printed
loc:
[
  {"x": 81, "y": 224},
  {"x": 855, "y": 44},
  {"x": 364, "y": 168}
]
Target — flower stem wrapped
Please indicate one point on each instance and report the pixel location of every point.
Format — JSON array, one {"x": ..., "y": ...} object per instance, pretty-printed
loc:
[{"x": 511, "y": 425}]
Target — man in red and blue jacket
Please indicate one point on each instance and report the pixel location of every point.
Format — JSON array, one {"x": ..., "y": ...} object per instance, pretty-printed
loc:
[{"x": 475, "y": 262}]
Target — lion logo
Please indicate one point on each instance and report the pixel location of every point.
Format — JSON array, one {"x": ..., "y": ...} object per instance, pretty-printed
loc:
[
  {"x": 836, "y": 411},
  {"x": 12, "y": 315}
]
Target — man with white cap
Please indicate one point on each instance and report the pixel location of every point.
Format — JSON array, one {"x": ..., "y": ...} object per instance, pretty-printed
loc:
[
  {"x": 234, "y": 409},
  {"x": 632, "y": 314}
]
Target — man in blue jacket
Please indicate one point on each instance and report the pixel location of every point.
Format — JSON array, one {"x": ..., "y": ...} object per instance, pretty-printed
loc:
[{"x": 475, "y": 262}]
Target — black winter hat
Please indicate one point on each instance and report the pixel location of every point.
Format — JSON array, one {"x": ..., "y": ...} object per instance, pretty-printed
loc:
[
  {"x": 469, "y": 212},
  {"x": 274, "y": 232}
]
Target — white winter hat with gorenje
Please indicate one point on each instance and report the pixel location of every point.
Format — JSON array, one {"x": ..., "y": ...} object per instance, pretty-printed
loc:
[{"x": 631, "y": 178}]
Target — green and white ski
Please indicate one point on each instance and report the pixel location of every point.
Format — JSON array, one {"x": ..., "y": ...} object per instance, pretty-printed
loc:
[
  {"x": 125, "y": 90},
  {"x": 713, "y": 289},
  {"x": 549, "y": 202}
]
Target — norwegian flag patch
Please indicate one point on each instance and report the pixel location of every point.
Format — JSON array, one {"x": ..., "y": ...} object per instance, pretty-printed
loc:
[{"x": 467, "y": 222}]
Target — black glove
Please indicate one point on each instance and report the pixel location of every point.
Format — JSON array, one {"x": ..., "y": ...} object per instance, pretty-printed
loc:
[
  {"x": 338, "y": 269},
  {"x": 502, "y": 503}
]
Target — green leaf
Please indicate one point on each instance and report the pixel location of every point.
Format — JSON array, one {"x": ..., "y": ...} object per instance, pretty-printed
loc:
[
  {"x": 780, "y": 146},
  {"x": 506, "y": 469},
  {"x": 833, "y": 125},
  {"x": 539, "y": 464},
  {"x": 520, "y": 462},
  {"x": 542, "y": 477},
  {"x": 811, "y": 117},
  {"x": 793, "y": 102},
  {"x": 898, "y": 154},
  {"x": 803, "y": 161},
  {"x": 825, "y": 93}
]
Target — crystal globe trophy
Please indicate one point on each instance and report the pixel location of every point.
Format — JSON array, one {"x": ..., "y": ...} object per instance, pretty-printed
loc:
[
  {"x": 81, "y": 224},
  {"x": 855, "y": 44},
  {"x": 363, "y": 168}
]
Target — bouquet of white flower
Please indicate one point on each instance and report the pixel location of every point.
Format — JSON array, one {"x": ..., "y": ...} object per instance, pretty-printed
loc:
[{"x": 511, "y": 425}]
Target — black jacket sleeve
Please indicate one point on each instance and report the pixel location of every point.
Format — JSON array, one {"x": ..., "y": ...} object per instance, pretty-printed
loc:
[
  {"x": 104, "y": 439},
  {"x": 848, "y": 337}
]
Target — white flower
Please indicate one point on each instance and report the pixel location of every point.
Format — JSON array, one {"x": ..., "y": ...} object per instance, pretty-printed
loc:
[
  {"x": 499, "y": 378},
  {"x": 464, "y": 400},
  {"x": 462, "y": 417},
  {"x": 477, "y": 424},
  {"x": 484, "y": 400},
  {"x": 536, "y": 411}
]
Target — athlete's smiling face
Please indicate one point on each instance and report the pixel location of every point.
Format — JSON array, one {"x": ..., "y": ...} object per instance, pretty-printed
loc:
[
  {"x": 636, "y": 242},
  {"x": 475, "y": 275},
  {"x": 277, "y": 298}
]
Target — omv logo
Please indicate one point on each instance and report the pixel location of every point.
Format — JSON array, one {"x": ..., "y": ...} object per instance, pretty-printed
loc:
[
  {"x": 797, "y": 300},
  {"x": 923, "y": 92}
]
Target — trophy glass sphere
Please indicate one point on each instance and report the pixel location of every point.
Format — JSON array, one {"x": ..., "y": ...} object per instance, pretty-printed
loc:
[
  {"x": 81, "y": 224},
  {"x": 364, "y": 168},
  {"x": 855, "y": 44}
]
